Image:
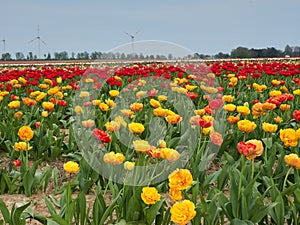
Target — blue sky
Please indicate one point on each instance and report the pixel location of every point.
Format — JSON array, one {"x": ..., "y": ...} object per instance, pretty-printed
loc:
[{"x": 204, "y": 26}]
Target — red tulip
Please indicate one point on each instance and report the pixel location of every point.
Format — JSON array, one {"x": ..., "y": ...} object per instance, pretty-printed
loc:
[
  {"x": 16, "y": 162},
  {"x": 192, "y": 95},
  {"x": 101, "y": 135},
  {"x": 246, "y": 149},
  {"x": 296, "y": 115},
  {"x": 216, "y": 104}
]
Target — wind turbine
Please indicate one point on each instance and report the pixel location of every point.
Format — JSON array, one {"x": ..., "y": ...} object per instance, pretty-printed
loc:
[
  {"x": 132, "y": 36},
  {"x": 4, "y": 50},
  {"x": 39, "y": 40}
]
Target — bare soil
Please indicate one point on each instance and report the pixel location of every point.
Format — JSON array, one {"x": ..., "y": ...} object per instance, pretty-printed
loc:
[{"x": 38, "y": 205}]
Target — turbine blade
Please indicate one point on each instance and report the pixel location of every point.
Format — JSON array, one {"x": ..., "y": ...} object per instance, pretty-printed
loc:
[
  {"x": 130, "y": 35},
  {"x": 127, "y": 33},
  {"x": 32, "y": 40}
]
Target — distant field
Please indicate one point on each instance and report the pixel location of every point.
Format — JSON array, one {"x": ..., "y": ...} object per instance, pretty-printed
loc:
[{"x": 35, "y": 62}]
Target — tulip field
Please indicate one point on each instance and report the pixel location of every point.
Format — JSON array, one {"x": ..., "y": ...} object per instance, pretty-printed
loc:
[{"x": 172, "y": 142}]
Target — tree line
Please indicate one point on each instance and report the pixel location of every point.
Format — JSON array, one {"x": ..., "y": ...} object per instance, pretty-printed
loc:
[
  {"x": 242, "y": 52},
  {"x": 239, "y": 52},
  {"x": 19, "y": 56}
]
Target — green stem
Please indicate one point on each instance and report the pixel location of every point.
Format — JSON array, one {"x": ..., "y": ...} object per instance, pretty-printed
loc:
[
  {"x": 26, "y": 155},
  {"x": 138, "y": 164},
  {"x": 153, "y": 173},
  {"x": 160, "y": 174},
  {"x": 241, "y": 176},
  {"x": 171, "y": 133},
  {"x": 285, "y": 179},
  {"x": 244, "y": 138},
  {"x": 266, "y": 149},
  {"x": 129, "y": 145},
  {"x": 200, "y": 141},
  {"x": 252, "y": 169},
  {"x": 296, "y": 174},
  {"x": 109, "y": 146}
]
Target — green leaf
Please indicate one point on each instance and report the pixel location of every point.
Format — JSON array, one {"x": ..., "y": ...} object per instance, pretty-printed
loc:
[
  {"x": 211, "y": 178},
  {"x": 174, "y": 142},
  {"x": 55, "y": 178},
  {"x": 51, "y": 222},
  {"x": 29, "y": 178},
  {"x": 81, "y": 207},
  {"x": 195, "y": 191},
  {"x": 152, "y": 212},
  {"x": 16, "y": 214},
  {"x": 109, "y": 209},
  {"x": 122, "y": 222},
  {"x": 40, "y": 218},
  {"x": 59, "y": 220},
  {"x": 97, "y": 211},
  {"x": 102, "y": 203},
  {"x": 213, "y": 210},
  {"x": 54, "y": 200},
  {"x": 134, "y": 209},
  {"x": 136, "y": 223},
  {"x": 226, "y": 205},
  {"x": 260, "y": 212},
  {"x": 167, "y": 217},
  {"x": 227, "y": 140},
  {"x": 297, "y": 196},
  {"x": 234, "y": 192},
  {"x": 5, "y": 211},
  {"x": 223, "y": 177},
  {"x": 70, "y": 210},
  {"x": 268, "y": 142},
  {"x": 290, "y": 190},
  {"x": 277, "y": 213},
  {"x": 244, "y": 205},
  {"x": 50, "y": 206},
  {"x": 241, "y": 222},
  {"x": 8, "y": 143},
  {"x": 46, "y": 177},
  {"x": 228, "y": 159},
  {"x": 205, "y": 159},
  {"x": 9, "y": 183},
  {"x": 252, "y": 186},
  {"x": 114, "y": 189}
]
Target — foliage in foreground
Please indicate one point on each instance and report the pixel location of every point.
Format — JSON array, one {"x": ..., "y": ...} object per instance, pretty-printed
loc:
[{"x": 240, "y": 119}]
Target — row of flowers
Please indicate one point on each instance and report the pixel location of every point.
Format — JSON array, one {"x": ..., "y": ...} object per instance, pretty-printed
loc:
[{"x": 123, "y": 118}]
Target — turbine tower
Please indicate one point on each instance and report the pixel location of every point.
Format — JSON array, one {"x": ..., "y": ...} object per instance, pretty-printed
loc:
[
  {"x": 4, "y": 49},
  {"x": 39, "y": 40},
  {"x": 132, "y": 36}
]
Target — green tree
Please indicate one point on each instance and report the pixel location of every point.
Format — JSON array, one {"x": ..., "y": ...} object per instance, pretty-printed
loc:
[
  {"x": 72, "y": 55},
  {"x": 20, "y": 56},
  {"x": 6, "y": 56},
  {"x": 296, "y": 51},
  {"x": 30, "y": 56},
  {"x": 83, "y": 55},
  {"x": 288, "y": 50},
  {"x": 240, "y": 52},
  {"x": 96, "y": 55},
  {"x": 48, "y": 57},
  {"x": 123, "y": 56},
  {"x": 273, "y": 52},
  {"x": 222, "y": 55}
]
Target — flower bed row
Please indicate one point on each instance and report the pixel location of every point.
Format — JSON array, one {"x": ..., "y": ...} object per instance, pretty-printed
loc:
[{"x": 150, "y": 134}]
